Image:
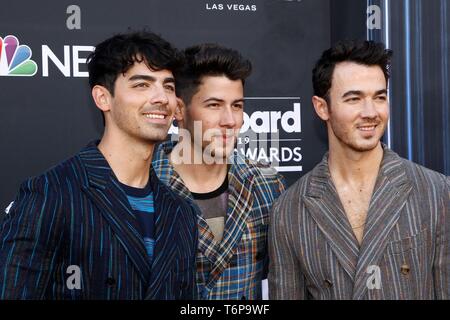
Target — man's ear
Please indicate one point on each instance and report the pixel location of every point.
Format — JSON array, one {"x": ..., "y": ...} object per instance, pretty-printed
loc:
[
  {"x": 179, "y": 110},
  {"x": 321, "y": 107},
  {"x": 102, "y": 97}
]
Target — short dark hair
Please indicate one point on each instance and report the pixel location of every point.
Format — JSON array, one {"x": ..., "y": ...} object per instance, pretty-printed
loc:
[
  {"x": 209, "y": 60},
  {"x": 367, "y": 53},
  {"x": 117, "y": 54}
]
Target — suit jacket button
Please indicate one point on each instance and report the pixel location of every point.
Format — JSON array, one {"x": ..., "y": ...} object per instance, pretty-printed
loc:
[
  {"x": 110, "y": 281},
  {"x": 328, "y": 283},
  {"x": 405, "y": 269}
]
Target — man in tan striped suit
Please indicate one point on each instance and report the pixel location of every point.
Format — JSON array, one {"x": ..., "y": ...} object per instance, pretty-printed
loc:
[{"x": 364, "y": 223}]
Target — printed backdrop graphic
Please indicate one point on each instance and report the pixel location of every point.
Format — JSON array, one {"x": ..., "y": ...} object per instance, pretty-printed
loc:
[{"x": 46, "y": 111}]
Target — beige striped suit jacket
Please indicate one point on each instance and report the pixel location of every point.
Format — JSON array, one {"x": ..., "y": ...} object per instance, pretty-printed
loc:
[{"x": 404, "y": 253}]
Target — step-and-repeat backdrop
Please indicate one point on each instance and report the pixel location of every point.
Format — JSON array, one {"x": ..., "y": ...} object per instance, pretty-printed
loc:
[{"x": 46, "y": 112}]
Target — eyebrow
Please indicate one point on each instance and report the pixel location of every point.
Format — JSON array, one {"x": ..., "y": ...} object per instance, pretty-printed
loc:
[
  {"x": 149, "y": 78},
  {"x": 221, "y": 100},
  {"x": 358, "y": 93},
  {"x": 383, "y": 91}
]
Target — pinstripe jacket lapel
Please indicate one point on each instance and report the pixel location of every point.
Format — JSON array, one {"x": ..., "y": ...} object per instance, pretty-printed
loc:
[
  {"x": 165, "y": 225},
  {"x": 111, "y": 201},
  {"x": 390, "y": 195},
  {"x": 323, "y": 202}
]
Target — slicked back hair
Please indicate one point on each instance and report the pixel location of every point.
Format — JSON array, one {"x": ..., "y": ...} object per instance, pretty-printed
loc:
[
  {"x": 208, "y": 60},
  {"x": 367, "y": 53}
]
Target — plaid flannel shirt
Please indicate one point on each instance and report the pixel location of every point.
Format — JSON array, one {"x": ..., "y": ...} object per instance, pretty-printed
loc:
[{"x": 233, "y": 268}]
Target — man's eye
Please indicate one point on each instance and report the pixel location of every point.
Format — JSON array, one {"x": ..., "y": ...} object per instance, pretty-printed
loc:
[
  {"x": 238, "y": 106},
  {"x": 382, "y": 98},
  {"x": 170, "y": 88},
  {"x": 353, "y": 99},
  {"x": 141, "y": 85},
  {"x": 213, "y": 105}
]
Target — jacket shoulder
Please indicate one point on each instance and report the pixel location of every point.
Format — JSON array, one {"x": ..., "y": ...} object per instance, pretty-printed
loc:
[
  {"x": 297, "y": 190},
  {"x": 424, "y": 177},
  {"x": 264, "y": 170},
  {"x": 268, "y": 183},
  {"x": 67, "y": 171}
]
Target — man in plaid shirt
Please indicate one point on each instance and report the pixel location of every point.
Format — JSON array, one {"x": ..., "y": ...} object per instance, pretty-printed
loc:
[{"x": 233, "y": 194}]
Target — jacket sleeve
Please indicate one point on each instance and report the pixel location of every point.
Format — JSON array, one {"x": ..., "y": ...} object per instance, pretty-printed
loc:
[
  {"x": 286, "y": 281},
  {"x": 441, "y": 264},
  {"x": 29, "y": 241}
]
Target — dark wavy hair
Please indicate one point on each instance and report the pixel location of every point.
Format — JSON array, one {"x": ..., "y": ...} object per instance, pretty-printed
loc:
[
  {"x": 117, "y": 54},
  {"x": 367, "y": 53},
  {"x": 209, "y": 60}
]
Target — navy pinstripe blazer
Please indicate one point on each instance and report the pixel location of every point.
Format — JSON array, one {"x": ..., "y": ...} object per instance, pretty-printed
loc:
[
  {"x": 76, "y": 215},
  {"x": 404, "y": 253}
]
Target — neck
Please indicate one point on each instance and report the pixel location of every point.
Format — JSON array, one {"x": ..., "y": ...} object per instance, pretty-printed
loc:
[
  {"x": 198, "y": 176},
  {"x": 351, "y": 166},
  {"x": 129, "y": 159}
]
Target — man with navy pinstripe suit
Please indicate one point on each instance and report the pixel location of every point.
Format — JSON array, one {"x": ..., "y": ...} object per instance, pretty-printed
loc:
[
  {"x": 101, "y": 225},
  {"x": 364, "y": 223}
]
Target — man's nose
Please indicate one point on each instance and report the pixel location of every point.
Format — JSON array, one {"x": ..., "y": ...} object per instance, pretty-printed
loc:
[
  {"x": 159, "y": 95},
  {"x": 227, "y": 118},
  {"x": 369, "y": 110}
]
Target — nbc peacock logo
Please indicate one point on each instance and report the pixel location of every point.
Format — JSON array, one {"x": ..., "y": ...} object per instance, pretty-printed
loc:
[{"x": 15, "y": 59}]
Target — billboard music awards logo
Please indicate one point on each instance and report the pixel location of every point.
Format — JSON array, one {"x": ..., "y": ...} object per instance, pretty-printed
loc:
[
  {"x": 15, "y": 59},
  {"x": 272, "y": 134}
]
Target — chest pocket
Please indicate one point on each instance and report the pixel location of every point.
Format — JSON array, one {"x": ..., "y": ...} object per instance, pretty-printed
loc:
[
  {"x": 414, "y": 242},
  {"x": 409, "y": 262}
]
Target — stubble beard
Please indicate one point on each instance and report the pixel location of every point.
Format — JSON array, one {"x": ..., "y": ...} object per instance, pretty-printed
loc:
[{"x": 351, "y": 140}]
